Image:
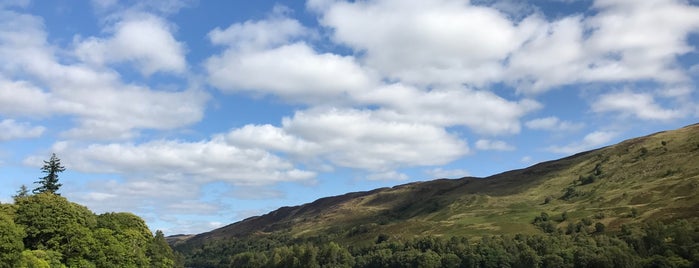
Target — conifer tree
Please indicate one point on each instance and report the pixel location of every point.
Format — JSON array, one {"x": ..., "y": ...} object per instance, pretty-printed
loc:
[{"x": 49, "y": 183}]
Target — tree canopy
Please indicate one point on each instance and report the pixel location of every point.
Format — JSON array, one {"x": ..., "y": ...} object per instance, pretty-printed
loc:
[{"x": 44, "y": 229}]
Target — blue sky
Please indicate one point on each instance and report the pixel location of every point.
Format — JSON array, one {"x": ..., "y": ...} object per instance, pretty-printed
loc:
[{"x": 196, "y": 114}]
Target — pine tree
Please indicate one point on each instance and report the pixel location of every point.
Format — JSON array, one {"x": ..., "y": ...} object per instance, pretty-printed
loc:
[{"x": 49, "y": 183}]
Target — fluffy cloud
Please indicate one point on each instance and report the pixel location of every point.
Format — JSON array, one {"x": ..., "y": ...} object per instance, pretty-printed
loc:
[
  {"x": 482, "y": 111},
  {"x": 103, "y": 106},
  {"x": 23, "y": 98},
  {"x": 144, "y": 40},
  {"x": 454, "y": 42},
  {"x": 623, "y": 41},
  {"x": 294, "y": 72},
  {"x": 424, "y": 42},
  {"x": 10, "y": 130},
  {"x": 640, "y": 105},
  {"x": 590, "y": 141},
  {"x": 356, "y": 139},
  {"x": 256, "y": 35},
  {"x": 166, "y": 161},
  {"x": 493, "y": 145}
]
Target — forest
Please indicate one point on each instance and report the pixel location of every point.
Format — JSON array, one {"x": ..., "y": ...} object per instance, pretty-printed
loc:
[{"x": 653, "y": 244}]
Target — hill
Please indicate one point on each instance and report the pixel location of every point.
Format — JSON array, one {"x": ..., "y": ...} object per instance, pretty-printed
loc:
[{"x": 651, "y": 178}]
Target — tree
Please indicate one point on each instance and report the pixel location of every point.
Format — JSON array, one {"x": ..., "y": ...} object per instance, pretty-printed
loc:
[
  {"x": 160, "y": 253},
  {"x": 51, "y": 222},
  {"x": 10, "y": 241},
  {"x": 22, "y": 192},
  {"x": 49, "y": 183}
]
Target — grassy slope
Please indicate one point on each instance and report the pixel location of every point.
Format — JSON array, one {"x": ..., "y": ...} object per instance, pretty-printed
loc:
[{"x": 653, "y": 177}]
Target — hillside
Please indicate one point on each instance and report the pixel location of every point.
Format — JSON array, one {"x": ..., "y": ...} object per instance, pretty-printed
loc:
[
  {"x": 651, "y": 177},
  {"x": 633, "y": 204}
]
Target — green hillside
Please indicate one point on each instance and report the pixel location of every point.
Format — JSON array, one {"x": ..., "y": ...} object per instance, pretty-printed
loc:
[{"x": 648, "y": 179}]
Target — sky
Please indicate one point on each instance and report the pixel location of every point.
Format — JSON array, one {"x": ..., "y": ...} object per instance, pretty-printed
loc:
[{"x": 197, "y": 114}]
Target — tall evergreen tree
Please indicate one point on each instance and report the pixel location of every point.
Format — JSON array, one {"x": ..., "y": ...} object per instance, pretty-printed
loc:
[{"x": 49, "y": 183}]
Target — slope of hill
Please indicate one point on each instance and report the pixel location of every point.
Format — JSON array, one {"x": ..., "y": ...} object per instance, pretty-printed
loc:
[
  {"x": 643, "y": 180},
  {"x": 655, "y": 177}
]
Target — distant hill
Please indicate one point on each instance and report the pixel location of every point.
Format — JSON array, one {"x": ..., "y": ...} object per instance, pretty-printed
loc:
[{"x": 655, "y": 177}]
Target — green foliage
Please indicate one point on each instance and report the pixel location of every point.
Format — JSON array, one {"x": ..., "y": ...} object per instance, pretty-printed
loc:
[
  {"x": 160, "y": 253},
  {"x": 569, "y": 193},
  {"x": 40, "y": 259},
  {"x": 10, "y": 241},
  {"x": 49, "y": 231},
  {"x": 649, "y": 245},
  {"x": 642, "y": 245},
  {"x": 544, "y": 223},
  {"x": 49, "y": 183},
  {"x": 51, "y": 221}
]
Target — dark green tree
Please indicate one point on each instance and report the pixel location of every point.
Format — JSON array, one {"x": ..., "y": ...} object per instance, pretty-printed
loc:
[{"x": 49, "y": 183}]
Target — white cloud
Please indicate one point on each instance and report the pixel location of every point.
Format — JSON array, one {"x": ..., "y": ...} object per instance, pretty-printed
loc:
[
  {"x": 10, "y": 130},
  {"x": 447, "y": 173},
  {"x": 553, "y": 123},
  {"x": 102, "y": 105},
  {"x": 623, "y": 41},
  {"x": 494, "y": 145},
  {"x": 424, "y": 42},
  {"x": 590, "y": 141},
  {"x": 257, "y": 35},
  {"x": 23, "y": 98},
  {"x": 640, "y": 105},
  {"x": 454, "y": 42},
  {"x": 167, "y": 161},
  {"x": 294, "y": 72},
  {"x": 119, "y": 109},
  {"x": 356, "y": 139},
  {"x": 482, "y": 111},
  {"x": 144, "y": 40},
  {"x": 553, "y": 55}
]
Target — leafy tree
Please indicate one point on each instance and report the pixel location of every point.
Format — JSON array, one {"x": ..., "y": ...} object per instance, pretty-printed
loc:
[
  {"x": 10, "y": 241},
  {"x": 160, "y": 253},
  {"x": 40, "y": 259},
  {"x": 49, "y": 183},
  {"x": 52, "y": 222}
]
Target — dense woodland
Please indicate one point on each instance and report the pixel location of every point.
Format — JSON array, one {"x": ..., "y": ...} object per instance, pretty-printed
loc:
[
  {"x": 647, "y": 245},
  {"x": 44, "y": 229}
]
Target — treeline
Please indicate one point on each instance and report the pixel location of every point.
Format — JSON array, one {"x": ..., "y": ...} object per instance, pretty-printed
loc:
[
  {"x": 649, "y": 245},
  {"x": 46, "y": 230}
]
